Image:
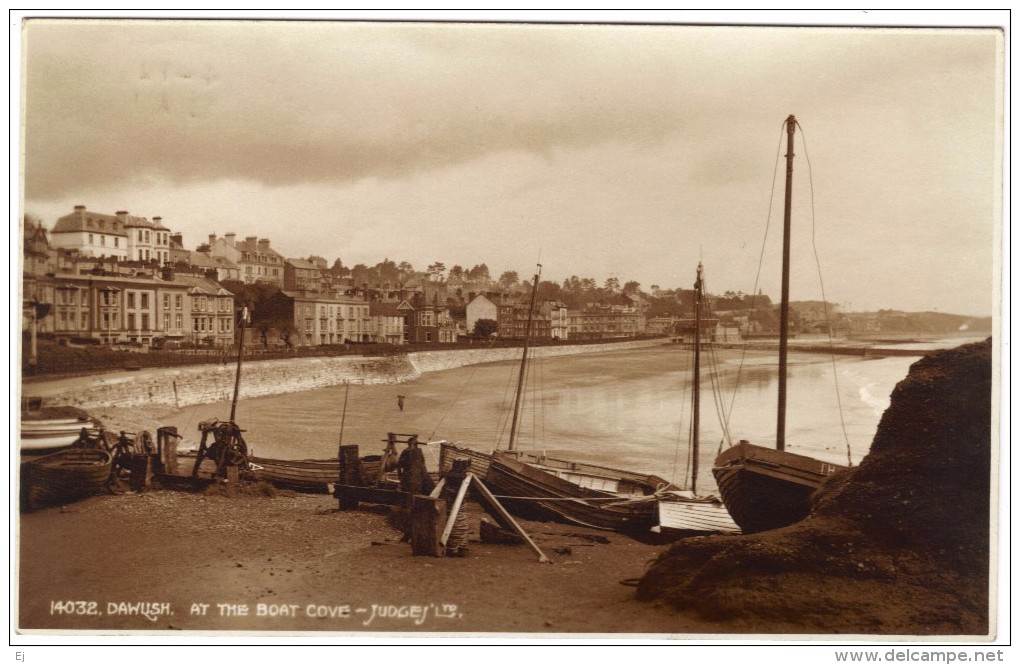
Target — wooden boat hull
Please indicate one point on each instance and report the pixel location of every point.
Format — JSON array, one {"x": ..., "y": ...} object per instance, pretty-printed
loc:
[
  {"x": 313, "y": 476},
  {"x": 448, "y": 452},
  {"x": 546, "y": 488},
  {"x": 42, "y": 428},
  {"x": 45, "y": 445},
  {"x": 766, "y": 489},
  {"x": 63, "y": 477}
]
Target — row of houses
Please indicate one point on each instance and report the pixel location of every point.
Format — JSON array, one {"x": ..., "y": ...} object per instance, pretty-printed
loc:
[{"x": 122, "y": 278}]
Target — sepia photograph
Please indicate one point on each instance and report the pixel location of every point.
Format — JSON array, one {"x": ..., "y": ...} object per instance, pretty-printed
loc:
[{"x": 621, "y": 326}]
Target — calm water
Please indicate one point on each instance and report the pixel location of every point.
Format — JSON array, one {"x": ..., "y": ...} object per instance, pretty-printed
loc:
[{"x": 628, "y": 409}]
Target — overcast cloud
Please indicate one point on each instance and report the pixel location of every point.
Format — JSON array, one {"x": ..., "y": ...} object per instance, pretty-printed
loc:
[{"x": 610, "y": 150}]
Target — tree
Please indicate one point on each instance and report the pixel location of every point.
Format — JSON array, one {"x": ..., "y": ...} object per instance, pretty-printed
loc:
[
  {"x": 485, "y": 328},
  {"x": 480, "y": 271},
  {"x": 436, "y": 270},
  {"x": 612, "y": 285},
  {"x": 263, "y": 328},
  {"x": 509, "y": 279},
  {"x": 456, "y": 272},
  {"x": 287, "y": 330},
  {"x": 406, "y": 270},
  {"x": 631, "y": 288}
]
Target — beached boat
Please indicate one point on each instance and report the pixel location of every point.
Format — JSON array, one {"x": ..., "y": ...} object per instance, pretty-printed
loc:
[
  {"x": 688, "y": 512},
  {"x": 314, "y": 476},
  {"x": 550, "y": 488},
  {"x": 765, "y": 488},
  {"x": 64, "y": 476},
  {"x": 39, "y": 437}
]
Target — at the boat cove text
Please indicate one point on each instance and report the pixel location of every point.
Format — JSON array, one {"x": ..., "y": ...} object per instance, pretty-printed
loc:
[{"x": 152, "y": 611}]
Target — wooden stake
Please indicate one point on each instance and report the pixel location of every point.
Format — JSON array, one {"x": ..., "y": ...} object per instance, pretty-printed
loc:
[{"x": 428, "y": 523}]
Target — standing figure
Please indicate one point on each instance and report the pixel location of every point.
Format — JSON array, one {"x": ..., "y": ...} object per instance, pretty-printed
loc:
[{"x": 400, "y": 402}]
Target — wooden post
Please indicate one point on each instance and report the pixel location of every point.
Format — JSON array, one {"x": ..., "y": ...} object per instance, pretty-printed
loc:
[
  {"x": 350, "y": 474},
  {"x": 428, "y": 523},
  {"x": 140, "y": 473},
  {"x": 170, "y": 455}
]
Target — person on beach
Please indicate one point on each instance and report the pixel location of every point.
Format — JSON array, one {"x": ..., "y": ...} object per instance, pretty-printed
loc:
[{"x": 400, "y": 402}]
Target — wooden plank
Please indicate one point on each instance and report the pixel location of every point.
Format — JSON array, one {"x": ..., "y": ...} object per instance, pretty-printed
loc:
[
  {"x": 452, "y": 517},
  {"x": 487, "y": 495},
  {"x": 438, "y": 489}
]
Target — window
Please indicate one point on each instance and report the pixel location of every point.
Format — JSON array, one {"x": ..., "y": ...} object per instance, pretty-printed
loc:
[
  {"x": 166, "y": 322},
  {"x": 131, "y": 301},
  {"x": 178, "y": 322},
  {"x": 131, "y": 321},
  {"x": 109, "y": 298},
  {"x": 84, "y": 320},
  {"x": 145, "y": 301},
  {"x": 140, "y": 236},
  {"x": 84, "y": 297},
  {"x": 102, "y": 240},
  {"x": 166, "y": 301},
  {"x": 91, "y": 240},
  {"x": 147, "y": 236},
  {"x": 178, "y": 302},
  {"x": 196, "y": 325},
  {"x": 116, "y": 242}
]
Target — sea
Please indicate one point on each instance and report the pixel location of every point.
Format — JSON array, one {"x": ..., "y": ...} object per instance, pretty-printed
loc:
[{"x": 628, "y": 409}]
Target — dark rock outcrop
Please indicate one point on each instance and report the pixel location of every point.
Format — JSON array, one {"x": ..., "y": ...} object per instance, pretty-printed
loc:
[{"x": 896, "y": 545}]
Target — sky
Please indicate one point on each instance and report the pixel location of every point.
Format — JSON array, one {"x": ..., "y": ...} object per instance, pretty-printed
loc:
[{"x": 627, "y": 151}]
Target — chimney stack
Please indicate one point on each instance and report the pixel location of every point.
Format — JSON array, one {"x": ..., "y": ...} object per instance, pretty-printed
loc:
[
  {"x": 177, "y": 238},
  {"x": 231, "y": 238},
  {"x": 212, "y": 239},
  {"x": 252, "y": 240},
  {"x": 79, "y": 208},
  {"x": 122, "y": 215},
  {"x": 264, "y": 245}
]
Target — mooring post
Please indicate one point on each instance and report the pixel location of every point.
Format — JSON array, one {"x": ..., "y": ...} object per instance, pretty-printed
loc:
[
  {"x": 428, "y": 521},
  {"x": 350, "y": 475}
]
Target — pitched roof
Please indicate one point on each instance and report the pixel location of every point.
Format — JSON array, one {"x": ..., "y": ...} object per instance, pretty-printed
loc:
[
  {"x": 201, "y": 285},
  {"x": 83, "y": 220},
  {"x": 302, "y": 264}
]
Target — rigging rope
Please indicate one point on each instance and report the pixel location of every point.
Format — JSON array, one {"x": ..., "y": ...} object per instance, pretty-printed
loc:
[
  {"x": 825, "y": 303},
  {"x": 757, "y": 277},
  {"x": 456, "y": 397}
]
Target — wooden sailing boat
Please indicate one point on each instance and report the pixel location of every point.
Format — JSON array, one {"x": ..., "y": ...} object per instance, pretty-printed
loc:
[
  {"x": 766, "y": 488},
  {"x": 550, "y": 488},
  {"x": 686, "y": 512}
]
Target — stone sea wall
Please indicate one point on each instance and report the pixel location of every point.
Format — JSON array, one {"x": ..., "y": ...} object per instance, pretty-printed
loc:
[{"x": 202, "y": 384}]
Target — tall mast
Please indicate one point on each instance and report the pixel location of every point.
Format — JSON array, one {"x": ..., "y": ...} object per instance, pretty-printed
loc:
[
  {"x": 240, "y": 355},
  {"x": 784, "y": 308},
  {"x": 696, "y": 420},
  {"x": 524, "y": 361}
]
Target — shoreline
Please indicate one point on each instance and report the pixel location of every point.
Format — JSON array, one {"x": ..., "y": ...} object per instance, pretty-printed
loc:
[{"x": 203, "y": 384}]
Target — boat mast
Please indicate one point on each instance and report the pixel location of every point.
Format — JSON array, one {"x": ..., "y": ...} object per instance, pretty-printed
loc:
[
  {"x": 524, "y": 361},
  {"x": 696, "y": 420},
  {"x": 784, "y": 308},
  {"x": 240, "y": 355}
]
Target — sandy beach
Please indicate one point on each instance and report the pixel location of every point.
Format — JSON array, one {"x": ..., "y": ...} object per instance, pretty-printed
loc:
[{"x": 312, "y": 568}]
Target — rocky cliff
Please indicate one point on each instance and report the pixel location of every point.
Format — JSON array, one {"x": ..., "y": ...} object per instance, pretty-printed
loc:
[{"x": 897, "y": 545}]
